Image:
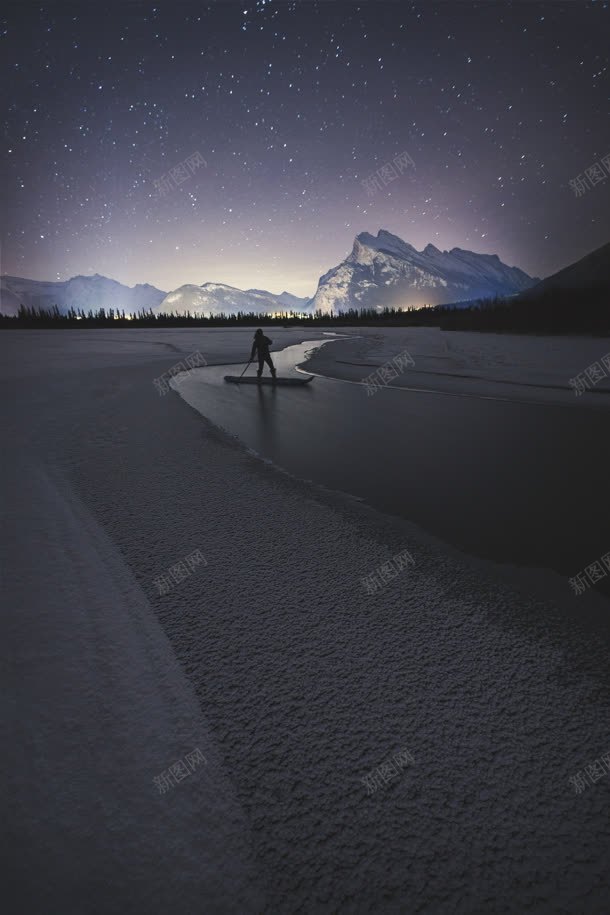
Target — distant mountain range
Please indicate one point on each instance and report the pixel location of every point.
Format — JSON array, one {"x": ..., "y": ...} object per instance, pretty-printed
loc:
[
  {"x": 86, "y": 292},
  {"x": 385, "y": 271},
  {"x": 382, "y": 270},
  {"x": 214, "y": 298},
  {"x": 93, "y": 292}
]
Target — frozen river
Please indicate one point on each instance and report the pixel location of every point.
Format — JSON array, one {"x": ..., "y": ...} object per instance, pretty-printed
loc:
[{"x": 516, "y": 480}]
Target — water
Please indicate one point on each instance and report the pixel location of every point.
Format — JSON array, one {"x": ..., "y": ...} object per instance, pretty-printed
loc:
[{"x": 513, "y": 482}]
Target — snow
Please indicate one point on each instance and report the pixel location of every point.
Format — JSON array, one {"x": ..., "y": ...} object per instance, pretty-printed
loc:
[
  {"x": 511, "y": 366},
  {"x": 217, "y": 298},
  {"x": 101, "y": 707},
  {"x": 385, "y": 241},
  {"x": 447, "y": 276},
  {"x": 86, "y": 292},
  {"x": 274, "y": 661}
]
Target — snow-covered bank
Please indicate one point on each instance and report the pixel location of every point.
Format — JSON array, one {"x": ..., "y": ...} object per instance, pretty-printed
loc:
[
  {"x": 99, "y": 708},
  {"x": 509, "y": 367},
  {"x": 305, "y": 682},
  {"x": 99, "y": 705}
]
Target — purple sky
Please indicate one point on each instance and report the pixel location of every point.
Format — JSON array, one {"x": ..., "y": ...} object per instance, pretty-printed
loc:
[{"x": 292, "y": 106}]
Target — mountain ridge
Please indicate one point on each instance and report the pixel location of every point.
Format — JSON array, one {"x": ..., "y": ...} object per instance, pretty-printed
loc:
[
  {"x": 381, "y": 271},
  {"x": 86, "y": 292},
  {"x": 593, "y": 269},
  {"x": 217, "y": 298},
  {"x": 386, "y": 271}
]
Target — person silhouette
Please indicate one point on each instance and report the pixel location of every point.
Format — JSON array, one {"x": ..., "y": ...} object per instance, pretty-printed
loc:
[{"x": 261, "y": 346}]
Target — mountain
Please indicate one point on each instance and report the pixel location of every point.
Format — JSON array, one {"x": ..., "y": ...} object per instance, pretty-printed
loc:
[
  {"x": 216, "y": 298},
  {"x": 384, "y": 270},
  {"x": 86, "y": 292},
  {"x": 293, "y": 302},
  {"x": 591, "y": 271},
  {"x": 288, "y": 301},
  {"x": 575, "y": 300}
]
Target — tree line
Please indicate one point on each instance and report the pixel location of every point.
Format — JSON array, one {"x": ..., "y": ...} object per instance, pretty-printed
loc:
[
  {"x": 101, "y": 317},
  {"x": 553, "y": 311}
]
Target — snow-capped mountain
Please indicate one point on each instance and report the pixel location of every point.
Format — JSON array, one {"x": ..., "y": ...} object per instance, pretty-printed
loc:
[
  {"x": 217, "y": 298},
  {"x": 291, "y": 302},
  {"x": 384, "y": 270},
  {"x": 86, "y": 292}
]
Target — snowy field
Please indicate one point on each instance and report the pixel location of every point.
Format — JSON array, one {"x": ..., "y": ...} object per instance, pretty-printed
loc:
[
  {"x": 435, "y": 746},
  {"x": 501, "y": 366}
]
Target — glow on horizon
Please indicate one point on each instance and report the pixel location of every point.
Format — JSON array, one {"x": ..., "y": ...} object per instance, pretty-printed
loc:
[
  {"x": 291, "y": 133},
  {"x": 168, "y": 269}
]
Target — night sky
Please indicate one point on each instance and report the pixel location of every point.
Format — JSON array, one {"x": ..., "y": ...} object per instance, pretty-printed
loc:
[{"x": 290, "y": 106}]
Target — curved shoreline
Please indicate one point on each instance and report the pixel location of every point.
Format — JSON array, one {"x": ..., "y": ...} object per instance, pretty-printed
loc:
[
  {"x": 267, "y": 425},
  {"x": 308, "y": 683}
]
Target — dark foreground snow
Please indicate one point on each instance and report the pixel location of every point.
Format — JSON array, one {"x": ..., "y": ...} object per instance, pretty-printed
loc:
[{"x": 273, "y": 660}]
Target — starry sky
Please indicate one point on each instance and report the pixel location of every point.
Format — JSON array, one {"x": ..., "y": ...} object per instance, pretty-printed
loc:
[{"x": 230, "y": 142}]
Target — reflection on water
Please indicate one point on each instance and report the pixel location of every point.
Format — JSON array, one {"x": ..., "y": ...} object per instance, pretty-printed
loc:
[{"x": 267, "y": 398}]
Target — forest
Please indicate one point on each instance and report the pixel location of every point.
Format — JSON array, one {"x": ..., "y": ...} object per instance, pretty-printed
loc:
[{"x": 554, "y": 311}]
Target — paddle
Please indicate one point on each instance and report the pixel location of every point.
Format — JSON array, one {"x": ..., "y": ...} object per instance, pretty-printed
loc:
[{"x": 244, "y": 371}]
